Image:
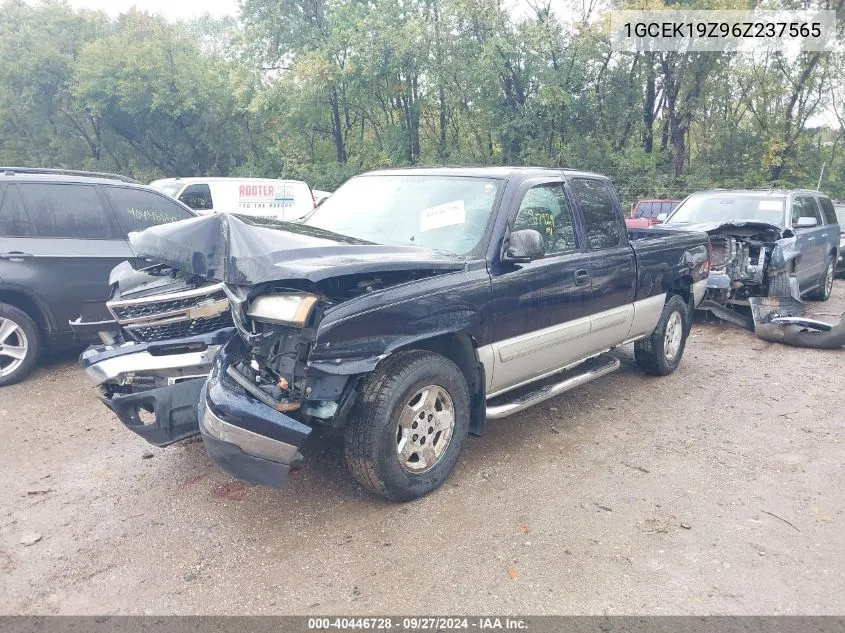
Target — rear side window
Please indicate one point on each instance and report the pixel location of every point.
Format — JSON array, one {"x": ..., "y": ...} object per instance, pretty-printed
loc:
[
  {"x": 603, "y": 227},
  {"x": 645, "y": 210},
  {"x": 828, "y": 211},
  {"x": 197, "y": 197},
  {"x": 14, "y": 221},
  {"x": 138, "y": 209},
  {"x": 71, "y": 211}
]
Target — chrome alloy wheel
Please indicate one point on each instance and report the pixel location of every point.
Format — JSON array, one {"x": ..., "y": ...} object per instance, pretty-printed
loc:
[
  {"x": 674, "y": 335},
  {"x": 828, "y": 280},
  {"x": 425, "y": 429},
  {"x": 13, "y": 346}
]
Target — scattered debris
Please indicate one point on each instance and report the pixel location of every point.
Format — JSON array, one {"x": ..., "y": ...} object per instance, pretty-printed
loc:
[
  {"x": 554, "y": 430},
  {"x": 524, "y": 528},
  {"x": 513, "y": 572},
  {"x": 31, "y": 538},
  {"x": 686, "y": 526},
  {"x": 605, "y": 508},
  {"x": 44, "y": 491},
  {"x": 781, "y": 519},
  {"x": 147, "y": 455},
  {"x": 635, "y": 467}
]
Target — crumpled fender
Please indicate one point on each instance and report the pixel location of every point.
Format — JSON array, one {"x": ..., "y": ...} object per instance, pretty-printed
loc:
[{"x": 784, "y": 252}]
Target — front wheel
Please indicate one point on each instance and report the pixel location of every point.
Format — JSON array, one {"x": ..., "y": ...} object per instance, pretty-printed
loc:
[
  {"x": 404, "y": 436},
  {"x": 19, "y": 343},
  {"x": 823, "y": 292},
  {"x": 661, "y": 353}
]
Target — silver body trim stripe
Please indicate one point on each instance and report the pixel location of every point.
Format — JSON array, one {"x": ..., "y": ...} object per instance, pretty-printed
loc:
[
  {"x": 523, "y": 359},
  {"x": 249, "y": 442}
]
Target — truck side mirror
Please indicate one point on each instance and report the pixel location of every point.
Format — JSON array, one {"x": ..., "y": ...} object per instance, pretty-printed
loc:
[
  {"x": 661, "y": 218},
  {"x": 524, "y": 246},
  {"x": 805, "y": 222}
]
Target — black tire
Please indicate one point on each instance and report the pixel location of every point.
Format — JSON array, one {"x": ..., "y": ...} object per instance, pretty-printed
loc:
[
  {"x": 823, "y": 292},
  {"x": 371, "y": 435},
  {"x": 28, "y": 334},
  {"x": 650, "y": 353}
]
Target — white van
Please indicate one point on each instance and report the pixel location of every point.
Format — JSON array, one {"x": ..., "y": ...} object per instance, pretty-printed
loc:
[{"x": 263, "y": 197}]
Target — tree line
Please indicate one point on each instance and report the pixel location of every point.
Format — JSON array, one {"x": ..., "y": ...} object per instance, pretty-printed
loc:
[{"x": 324, "y": 89}]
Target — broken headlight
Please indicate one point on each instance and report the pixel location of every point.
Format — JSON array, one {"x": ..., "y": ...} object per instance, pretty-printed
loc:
[{"x": 292, "y": 308}]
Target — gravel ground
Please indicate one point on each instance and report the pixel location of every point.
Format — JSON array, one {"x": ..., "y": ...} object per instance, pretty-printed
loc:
[{"x": 719, "y": 489}]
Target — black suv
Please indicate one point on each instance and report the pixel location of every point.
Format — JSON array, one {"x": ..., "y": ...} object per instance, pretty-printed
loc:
[{"x": 61, "y": 233}]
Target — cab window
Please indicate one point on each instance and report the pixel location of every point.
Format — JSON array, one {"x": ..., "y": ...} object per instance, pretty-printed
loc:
[
  {"x": 546, "y": 210},
  {"x": 602, "y": 226},
  {"x": 805, "y": 207},
  {"x": 197, "y": 196}
]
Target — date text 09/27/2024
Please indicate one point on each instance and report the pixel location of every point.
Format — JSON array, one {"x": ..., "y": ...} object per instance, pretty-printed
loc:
[{"x": 418, "y": 623}]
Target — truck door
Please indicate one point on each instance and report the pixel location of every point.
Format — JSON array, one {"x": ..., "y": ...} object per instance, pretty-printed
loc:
[
  {"x": 610, "y": 260},
  {"x": 539, "y": 307}
]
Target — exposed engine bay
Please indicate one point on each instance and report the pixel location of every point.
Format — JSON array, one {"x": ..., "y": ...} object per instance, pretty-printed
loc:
[
  {"x": 752, "y": 265},
  {"x": 745, "y": 260}
]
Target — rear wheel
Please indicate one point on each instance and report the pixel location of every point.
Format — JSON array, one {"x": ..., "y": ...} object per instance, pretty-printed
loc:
[
  {"x": 822, "y": 293},
  {"x": 661, "y": 353},
  {"x": 406, "y": 432},
  {"x": 19, "y": 343}
]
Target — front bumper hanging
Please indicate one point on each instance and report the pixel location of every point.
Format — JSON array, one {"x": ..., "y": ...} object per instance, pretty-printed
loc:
[{"x": 243, "y": 436}]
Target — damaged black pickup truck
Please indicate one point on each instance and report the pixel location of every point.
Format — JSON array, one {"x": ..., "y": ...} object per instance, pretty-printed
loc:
[{"x": 408, "y": 309}]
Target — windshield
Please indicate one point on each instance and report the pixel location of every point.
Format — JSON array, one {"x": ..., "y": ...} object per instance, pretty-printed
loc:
[
  {"x": 729, "y": 207},
  {"x": 447, "y": 213},
  {"x": 170, "y": 188}
]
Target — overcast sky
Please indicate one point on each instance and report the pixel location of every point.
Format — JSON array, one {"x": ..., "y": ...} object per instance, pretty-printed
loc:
[{"x": 173, "y": 9}]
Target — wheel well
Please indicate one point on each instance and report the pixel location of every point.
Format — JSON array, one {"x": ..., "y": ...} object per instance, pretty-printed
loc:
[
  {"x": 25, "y": 304},
  {"x": 683, "y": 288},
  {"x": 459, "y": 348}
]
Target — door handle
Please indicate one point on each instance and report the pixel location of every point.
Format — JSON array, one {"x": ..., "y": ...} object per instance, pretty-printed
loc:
[
  {"x": 582, "y": 277},
  {"x": 15, "y": 256}
]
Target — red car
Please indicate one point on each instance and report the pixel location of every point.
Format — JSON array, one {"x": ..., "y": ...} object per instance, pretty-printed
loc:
[{"x": 645, "y": 212}]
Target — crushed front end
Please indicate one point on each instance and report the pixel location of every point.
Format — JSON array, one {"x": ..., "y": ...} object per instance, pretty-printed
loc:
[
  {"x": 157, "y": 350},
  {"x": 749, "y": 260}
]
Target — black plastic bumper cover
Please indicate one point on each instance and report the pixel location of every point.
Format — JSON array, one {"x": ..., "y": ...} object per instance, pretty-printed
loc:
[
  {"x": 229, "y": 404},
  {"x": 174, "y": 406}
]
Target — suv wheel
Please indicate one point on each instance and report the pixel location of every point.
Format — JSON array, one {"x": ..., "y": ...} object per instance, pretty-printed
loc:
[
  {"x": 661, "y": 353},
  {"x": 19, "y": 343},
  {"x": 822, "y": 293},
  {"x": 406, "y": 432}
]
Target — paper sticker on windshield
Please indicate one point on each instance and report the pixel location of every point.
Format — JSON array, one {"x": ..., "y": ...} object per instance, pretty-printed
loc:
[
  {"x": 770, "y": 205},
  {"x": 448, "y": 214}
]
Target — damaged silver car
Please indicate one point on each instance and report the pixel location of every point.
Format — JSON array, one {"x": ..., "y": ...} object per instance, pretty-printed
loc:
[{"x": 764, "y": 244}]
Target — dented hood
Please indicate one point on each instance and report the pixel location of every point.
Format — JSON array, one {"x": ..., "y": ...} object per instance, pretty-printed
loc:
[
  {"x": 244, "y": 250},
  {"x": 739, "y": 228}
]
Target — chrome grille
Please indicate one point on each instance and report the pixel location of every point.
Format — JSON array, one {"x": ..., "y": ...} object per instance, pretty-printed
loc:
[{"x": 174, "y": 315}]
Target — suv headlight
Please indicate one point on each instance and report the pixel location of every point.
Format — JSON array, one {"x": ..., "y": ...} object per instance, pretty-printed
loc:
[{"x": 285, "y": 309}]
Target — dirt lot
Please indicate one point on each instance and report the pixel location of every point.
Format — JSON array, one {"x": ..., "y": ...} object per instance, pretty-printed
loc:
[{"x": 719, "y": 489}]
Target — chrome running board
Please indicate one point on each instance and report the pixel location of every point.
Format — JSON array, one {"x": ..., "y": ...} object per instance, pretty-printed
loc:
[{"x": 607, "y": 365}]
